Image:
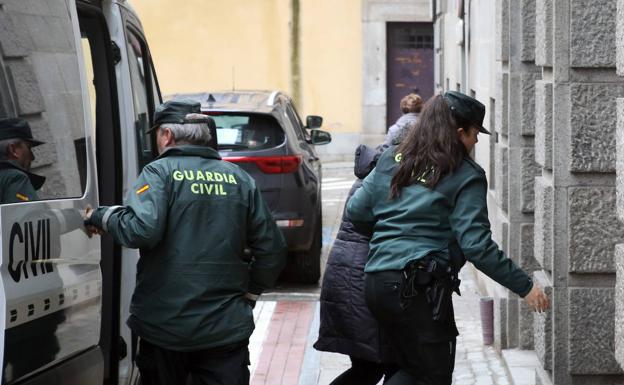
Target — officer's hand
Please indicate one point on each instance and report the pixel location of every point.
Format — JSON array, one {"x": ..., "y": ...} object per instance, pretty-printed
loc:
[
  {"x": 90, "y": 229},
  {"x": 87, "y": 214},
  {"x": 537, "y": 299}
]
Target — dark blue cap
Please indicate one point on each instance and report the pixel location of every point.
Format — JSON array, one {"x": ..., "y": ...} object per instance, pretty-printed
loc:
[
  {"x": 175, "y": 111},
  {"x": 467, "y": 108},
  {"x": 17, "y": 128}
]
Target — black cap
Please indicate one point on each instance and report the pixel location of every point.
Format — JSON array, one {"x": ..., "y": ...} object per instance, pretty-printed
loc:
[
  {"x": 175, "y": 111},
  {"x": 17, "y": 128},
  {"x": 467, "y": 108}
]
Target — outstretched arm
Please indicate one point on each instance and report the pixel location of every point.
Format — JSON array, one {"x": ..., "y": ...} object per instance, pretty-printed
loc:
[{"x": 471, "y": 226}]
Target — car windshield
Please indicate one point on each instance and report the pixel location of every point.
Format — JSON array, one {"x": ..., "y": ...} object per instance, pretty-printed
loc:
[{"x": 247, "y": 131}]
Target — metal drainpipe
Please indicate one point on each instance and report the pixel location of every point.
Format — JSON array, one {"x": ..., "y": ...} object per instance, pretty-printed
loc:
[
  {"x": 466, "y": 49},
  {"x": 295, "y": 53}
]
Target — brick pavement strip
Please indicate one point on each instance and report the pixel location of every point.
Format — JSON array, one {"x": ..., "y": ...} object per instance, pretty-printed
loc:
[{"x": 282, "y": 352}]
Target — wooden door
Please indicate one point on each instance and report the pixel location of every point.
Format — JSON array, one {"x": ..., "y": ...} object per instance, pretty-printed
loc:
[{"x": 409, "y": 64}]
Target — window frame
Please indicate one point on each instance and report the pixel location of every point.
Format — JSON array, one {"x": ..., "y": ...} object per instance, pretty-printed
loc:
[
  {"x": 109, "y": 162},
  {"x": 302, "y": 132},
  {"x": 151, "y": 81}
]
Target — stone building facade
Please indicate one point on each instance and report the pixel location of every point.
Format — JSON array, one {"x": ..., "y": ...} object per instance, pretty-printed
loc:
[{"x": 547, "y": 70}]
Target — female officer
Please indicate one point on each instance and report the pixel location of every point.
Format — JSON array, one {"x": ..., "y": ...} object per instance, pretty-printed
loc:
[{"x": 424, "y": 194}]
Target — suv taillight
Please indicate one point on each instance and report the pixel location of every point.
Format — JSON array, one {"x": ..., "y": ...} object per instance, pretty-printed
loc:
[{"x": 270, "y": 164}]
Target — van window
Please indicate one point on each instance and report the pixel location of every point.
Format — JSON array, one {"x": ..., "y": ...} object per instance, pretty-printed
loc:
[
  {"x": 42, "y": 85},
  {"x": 155, "y": 88},
  {"x": 137, "y": 60}
]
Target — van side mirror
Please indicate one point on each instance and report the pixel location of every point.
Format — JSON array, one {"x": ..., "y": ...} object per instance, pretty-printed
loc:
[
  {"x": 313, "y": 121},
  {"x": 320, "y": 137}
]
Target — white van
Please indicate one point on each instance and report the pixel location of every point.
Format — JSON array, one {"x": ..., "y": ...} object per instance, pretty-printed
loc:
[{"x": 80, "y": 72}]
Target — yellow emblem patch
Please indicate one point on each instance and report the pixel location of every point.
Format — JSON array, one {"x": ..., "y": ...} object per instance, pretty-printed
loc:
[
  {"x": 143, "y": 189},
  {"x": 22, "y": 197},
  {"x": 398, "y": 157}
]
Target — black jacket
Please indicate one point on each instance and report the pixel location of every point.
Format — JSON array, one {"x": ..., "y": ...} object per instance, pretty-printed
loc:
[{"x": 346, "y": 324}]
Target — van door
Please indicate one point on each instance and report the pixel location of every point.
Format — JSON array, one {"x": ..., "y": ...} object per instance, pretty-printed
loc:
[
  {"x": 100, "y": 57},
  {"x": 51, "y": 281},
  {"x": 139, "y": 94}
]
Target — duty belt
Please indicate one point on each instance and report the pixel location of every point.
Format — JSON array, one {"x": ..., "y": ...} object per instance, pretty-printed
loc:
[{"x": 435, "y": 279}]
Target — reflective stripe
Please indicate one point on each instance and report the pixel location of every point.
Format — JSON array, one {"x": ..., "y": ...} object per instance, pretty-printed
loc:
[
  {"x": 107, "y": 215},
  {"x": 253, "y": 297}
]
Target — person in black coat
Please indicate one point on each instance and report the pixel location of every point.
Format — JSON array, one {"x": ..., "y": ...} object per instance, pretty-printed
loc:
[{"x": 347, "y": 326}]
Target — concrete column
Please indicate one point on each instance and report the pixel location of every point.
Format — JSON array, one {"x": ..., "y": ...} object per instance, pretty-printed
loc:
[
  {"x": 505, "y": 306},
  {"x": 515, "y": 126},
  {"x": 619, "y": 250}
]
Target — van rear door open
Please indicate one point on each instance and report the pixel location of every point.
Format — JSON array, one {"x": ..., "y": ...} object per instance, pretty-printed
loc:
[
  {"x": 51, "y": 299},
  {"x": 79, "y": 71}
]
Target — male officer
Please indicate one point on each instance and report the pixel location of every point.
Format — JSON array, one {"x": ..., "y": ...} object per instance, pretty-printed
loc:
[
  {"x": 17, "y": 183},
  {"x": 192, "y": 215}
]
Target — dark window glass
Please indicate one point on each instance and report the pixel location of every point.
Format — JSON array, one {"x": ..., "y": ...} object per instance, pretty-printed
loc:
[
  {"x": 43, "y": 86},
  {"x": 137, "y": 59},
  {"x": 244, "y": 132}
]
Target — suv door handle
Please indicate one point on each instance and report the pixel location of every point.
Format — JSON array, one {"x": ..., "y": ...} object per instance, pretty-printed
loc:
[{"x": 313, "y": 158}]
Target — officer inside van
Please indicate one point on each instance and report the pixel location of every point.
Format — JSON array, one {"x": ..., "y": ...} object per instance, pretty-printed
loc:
[
  {"x": 17, "y": 183},
  {"x": 192, "y": 215}
]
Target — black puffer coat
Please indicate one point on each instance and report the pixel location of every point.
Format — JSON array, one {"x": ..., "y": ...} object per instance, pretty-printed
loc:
[{"x": 347, "y": 326}]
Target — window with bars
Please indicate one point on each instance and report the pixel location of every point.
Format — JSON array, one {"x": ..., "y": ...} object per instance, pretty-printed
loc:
[{"x": 412, "y": 37}]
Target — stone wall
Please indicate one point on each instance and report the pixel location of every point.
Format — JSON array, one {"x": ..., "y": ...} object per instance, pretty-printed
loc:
[
  {"x": 522, "y": 74},
  {"x": 619, "y": 165},
  {"x": 576, "y": 227},
  {"x": 557, "y": 194}
]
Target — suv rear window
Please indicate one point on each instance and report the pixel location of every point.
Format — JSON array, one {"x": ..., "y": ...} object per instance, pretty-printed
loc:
[{"x": 243, "y": 131}]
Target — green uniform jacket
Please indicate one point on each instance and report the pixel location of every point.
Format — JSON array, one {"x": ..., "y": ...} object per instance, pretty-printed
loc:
[
  {"x": 192, "y": 215},
  {"x": 422, "y": 221},
  {"x": 17, "y": 184}
]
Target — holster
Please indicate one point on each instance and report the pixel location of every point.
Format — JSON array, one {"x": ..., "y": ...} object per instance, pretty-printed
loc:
[
  {"x": 439, "y": 296},
  {"x": 437, "y": 280}
]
